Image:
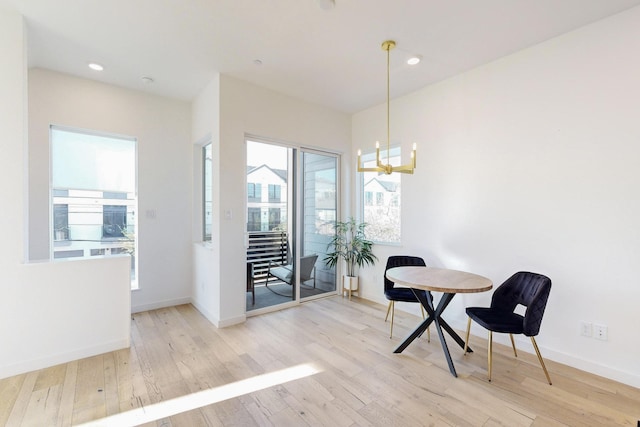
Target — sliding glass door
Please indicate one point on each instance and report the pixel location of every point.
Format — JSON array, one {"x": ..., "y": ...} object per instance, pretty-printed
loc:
[{"x": 291, "y": 208}]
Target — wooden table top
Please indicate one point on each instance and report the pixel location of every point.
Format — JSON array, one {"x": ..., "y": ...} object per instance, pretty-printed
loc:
[{"x": 438, "y": 279}]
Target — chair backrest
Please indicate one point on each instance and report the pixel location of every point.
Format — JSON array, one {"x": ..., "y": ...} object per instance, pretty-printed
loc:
[
  {"x": 401, "y": 261},
  {"x": 306, "y": 266},
  {"x": 528, "y": 289}
]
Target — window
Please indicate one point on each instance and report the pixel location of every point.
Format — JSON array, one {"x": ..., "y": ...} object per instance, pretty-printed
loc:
[
  {"x": 93, "y": 196},
  {"x": 274, "y": 193},
  {"x": 253, "y": 219},
  {"x": 381, "y": 199},
  {"x": 368, "y": 198},
  {"x": 207, "y": 193},
  {"x": 254, "y": 192},
  {"x": 114, "y": 221},
  {"x": 60, "y": 222},
  {"x": 274, "y": 218}
]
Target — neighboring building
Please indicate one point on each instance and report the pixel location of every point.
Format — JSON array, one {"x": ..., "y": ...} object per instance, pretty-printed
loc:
[
  {"x": 382, "y": 210},
  {"x": 92, "y": 223},
  {"x": 379, "y": 192},
  {"x": 266, "y": 199}
]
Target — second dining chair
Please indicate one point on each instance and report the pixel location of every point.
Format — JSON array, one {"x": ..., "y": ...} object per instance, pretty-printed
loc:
[
  {"x": 394, "y": 294},
  {"x": 530, "y": 290}
]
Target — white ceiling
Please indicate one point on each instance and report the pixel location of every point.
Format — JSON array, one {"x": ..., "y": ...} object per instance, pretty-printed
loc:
[{"x": 329, "y": 57}]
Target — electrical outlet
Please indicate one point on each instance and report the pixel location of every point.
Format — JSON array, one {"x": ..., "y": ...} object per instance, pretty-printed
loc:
[
  {"x": 586, "y": 329},
  {"x": 600, "y": 332}
]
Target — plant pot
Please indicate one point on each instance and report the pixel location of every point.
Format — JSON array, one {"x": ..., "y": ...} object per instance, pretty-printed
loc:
[{"x": 349, "y": 285}]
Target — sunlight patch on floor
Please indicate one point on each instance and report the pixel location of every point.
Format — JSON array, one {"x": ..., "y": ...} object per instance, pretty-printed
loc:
[{"x": 199, "y": 399}]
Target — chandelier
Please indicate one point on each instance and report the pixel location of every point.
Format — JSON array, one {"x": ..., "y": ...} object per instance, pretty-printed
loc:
[{"x": 381, "y": 167}]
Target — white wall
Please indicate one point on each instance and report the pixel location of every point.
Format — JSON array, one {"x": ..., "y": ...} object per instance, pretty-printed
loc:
[
  {"x": 205, "y": 114},
  {"x": 49, "y": 312},
  {"x": 162, "y": 128},
  {"x": 248, "y": 109},
  {"x": 530, "y": 163},
  {"x": 65, "y": 310}
]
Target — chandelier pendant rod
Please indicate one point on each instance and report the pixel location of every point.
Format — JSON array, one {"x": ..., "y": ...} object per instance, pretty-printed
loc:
[{"x": 389, "y": 46}]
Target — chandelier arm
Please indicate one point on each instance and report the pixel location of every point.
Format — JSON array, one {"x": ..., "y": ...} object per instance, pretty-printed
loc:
[{"x": 403, "y": 169}]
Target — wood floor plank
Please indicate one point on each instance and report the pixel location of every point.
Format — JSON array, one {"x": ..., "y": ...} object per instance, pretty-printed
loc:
[
  {"x": 22, "y": 399},
  {"x": 50, "y": 377},
  {"x": 89, "y": 402},
  {"x": 43, "y": 407},
  {"x": 68, "y": 396},
  {"x": 9, "y": 392},
  {"x": 177, "y": 353}
]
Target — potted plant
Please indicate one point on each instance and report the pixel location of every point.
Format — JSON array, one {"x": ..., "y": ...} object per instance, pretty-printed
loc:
[{"x": 351, "y": 245}]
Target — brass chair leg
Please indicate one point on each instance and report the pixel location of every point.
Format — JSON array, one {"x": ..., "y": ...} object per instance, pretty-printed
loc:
[
  {"x": 388, "y": 310},
  {"x": 544, "y": 368},
  {"x": 513, "y": 344},
  {"x": 393, "y": 313},
  {"x": 490, "y": 351},
  {"x": 466, "y": 340}
]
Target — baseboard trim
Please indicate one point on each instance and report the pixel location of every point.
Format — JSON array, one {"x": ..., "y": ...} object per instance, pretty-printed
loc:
[
  {"x": 46, "y": 362},
  {"x": 219, "y": 323},
  {"x": 629, "y": 378},
  {"x": 524, "y": 344},
  {"x": 206, "y": 313},
  {"x": 223, "y": 323},
  {"x": 160, "y": 304}
]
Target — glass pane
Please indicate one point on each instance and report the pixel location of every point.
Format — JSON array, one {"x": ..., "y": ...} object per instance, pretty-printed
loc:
[
  {"x": 320, "y": 204},
  {"x": 207, "y": 192},
  {"x": 270, "y": 267},
  {"x": 381, "y": 199},
  {"x": 93, "y": 196}
]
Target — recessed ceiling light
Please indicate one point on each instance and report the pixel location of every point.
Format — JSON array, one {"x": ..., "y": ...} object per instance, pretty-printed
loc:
[
  {"x": 414, "y": 60},
  {"x": 95, "y": 66},
  {"x": 327, "y": 4}
]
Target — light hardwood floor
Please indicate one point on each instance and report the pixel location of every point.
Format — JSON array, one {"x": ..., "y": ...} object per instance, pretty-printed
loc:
[{"x": 176, "y": 353}]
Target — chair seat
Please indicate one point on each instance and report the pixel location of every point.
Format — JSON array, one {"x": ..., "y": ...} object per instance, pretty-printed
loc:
[
  {"x": 496, "y": 320},
  {"x": 401, "y": 294}
]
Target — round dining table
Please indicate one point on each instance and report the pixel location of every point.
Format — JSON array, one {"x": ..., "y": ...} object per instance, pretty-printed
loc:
[{"x": 450, "y": 283}]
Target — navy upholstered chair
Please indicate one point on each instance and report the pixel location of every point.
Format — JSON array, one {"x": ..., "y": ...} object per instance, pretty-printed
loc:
[
  {"x": 394, "y": 294},
  {"x": 530, "y": 290}
]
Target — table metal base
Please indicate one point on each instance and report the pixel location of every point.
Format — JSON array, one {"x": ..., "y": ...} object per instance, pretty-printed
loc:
[{"x": 435, "y": 316}]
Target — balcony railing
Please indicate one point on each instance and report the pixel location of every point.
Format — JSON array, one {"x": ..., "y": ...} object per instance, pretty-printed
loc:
[{"x": 265, "y": 247}]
